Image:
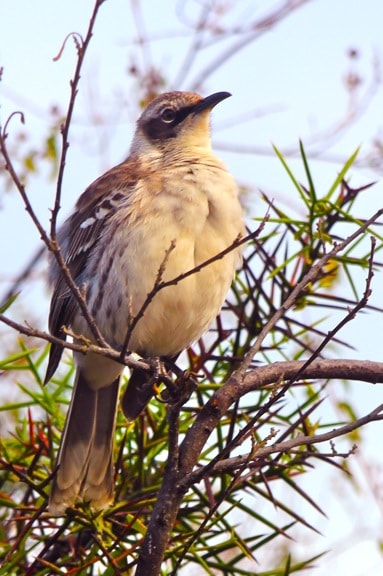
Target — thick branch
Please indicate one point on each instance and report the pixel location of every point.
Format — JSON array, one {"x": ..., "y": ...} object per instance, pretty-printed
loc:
[{"x": 167, "y": 504}]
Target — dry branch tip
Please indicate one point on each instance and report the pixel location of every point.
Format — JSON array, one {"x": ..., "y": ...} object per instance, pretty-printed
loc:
[{"x": 78, "y": 40}]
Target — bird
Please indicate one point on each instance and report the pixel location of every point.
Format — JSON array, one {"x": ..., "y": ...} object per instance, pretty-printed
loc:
[{"x": 169, "y": 207}]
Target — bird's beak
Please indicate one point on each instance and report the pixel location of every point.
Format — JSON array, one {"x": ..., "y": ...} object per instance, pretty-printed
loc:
[{"x": 209, "y": 102}]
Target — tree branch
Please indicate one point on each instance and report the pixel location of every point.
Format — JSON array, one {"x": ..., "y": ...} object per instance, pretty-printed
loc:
[
  {"x": 82, "y": 46},
  {"x": 256, "y": 459},
  {"x": 237, "y": 385},
  {"x": 130, "y": 359},
  {"x": 257, "y": 29},
  {"x": 158, "y": 533}
]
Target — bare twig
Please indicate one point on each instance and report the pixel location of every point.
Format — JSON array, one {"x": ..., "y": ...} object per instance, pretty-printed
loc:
[
  {"x": 288, "y": 446},
  {"x": 131, "y": 360},
  {"x": 257, "y": 29},
  {"x": 51, "y": 242},
  {"x": 16, "y": 180},
  {"x": 82, "y": 46},
  {"x": 149, "y": 297},
  {"x": 160, "y": 284},
  {"x": 196, "y": 44}
]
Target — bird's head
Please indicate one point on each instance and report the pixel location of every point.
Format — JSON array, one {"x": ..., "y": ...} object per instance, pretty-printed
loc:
[{"x": 176, "y": 120}]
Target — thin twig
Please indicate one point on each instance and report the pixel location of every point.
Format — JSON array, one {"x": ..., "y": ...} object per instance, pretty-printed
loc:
[
  {"x": 82, "y": 46},
  {"x": 132, "y": 360},
  {"x": 148, "y": 299},
  {"x": 51, "y": 242},
  {"x": 350, "y": 316},
  {"x": 230, "y": 464},
  {"x": 313, "y": 273},
  {"x": 258, "y": 29}
]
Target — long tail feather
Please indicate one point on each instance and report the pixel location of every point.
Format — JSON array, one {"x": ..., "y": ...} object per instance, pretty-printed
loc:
[{"x": 85, "y": 459}]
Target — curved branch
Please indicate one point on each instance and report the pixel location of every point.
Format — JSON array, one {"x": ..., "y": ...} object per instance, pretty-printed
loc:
[{"x": 51, "y": 242}]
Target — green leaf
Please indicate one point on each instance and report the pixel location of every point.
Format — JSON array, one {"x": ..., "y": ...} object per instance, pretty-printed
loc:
[{"x": 342, "y": 174}]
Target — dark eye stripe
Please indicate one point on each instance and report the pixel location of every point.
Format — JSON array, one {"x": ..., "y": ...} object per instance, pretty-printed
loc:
[{"x": 157, "y": 129}]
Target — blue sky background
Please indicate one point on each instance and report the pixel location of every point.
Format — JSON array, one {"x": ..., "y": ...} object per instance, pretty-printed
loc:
[{"x": 289, "y": 84}]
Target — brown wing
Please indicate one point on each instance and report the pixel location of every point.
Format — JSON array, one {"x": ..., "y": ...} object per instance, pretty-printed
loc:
[{"x": 77, "y": 238}]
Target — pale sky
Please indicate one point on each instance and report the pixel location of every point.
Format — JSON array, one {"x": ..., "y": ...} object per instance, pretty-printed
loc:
[{"x": 289, "y": 84}]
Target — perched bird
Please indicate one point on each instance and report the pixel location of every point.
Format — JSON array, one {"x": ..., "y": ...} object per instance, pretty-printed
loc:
[{"x": 172, "y": 203}]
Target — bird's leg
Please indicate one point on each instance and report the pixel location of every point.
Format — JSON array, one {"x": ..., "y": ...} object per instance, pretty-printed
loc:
[
  {"x": 177, "y": 392},
  {"x": 161, "y": 375}
]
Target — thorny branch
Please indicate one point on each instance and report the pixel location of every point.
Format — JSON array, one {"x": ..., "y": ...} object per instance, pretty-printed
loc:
[
  {"x": 103, "y": 348},
  {"x": 82, "y": 46},
  {"x": 243, "y": 467},
  {"x": 287, "y": 446},
  {"x": 107, "y": 351},
  {"x": 132, "y": 323},
  {"x": 285, "y": 372},
  {"x": 166, "y": 508},
  {"x": 228, "y": 393}
]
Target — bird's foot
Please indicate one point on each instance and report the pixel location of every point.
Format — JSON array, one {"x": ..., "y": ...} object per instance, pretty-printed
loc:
[{"x": 179, "y": 392}]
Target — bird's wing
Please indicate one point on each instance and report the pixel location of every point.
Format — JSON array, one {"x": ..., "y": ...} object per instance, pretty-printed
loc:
[{"x": 77, "y": 238}]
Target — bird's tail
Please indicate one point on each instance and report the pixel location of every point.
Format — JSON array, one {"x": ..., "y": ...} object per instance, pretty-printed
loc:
[{"x": 85, "y": 459}]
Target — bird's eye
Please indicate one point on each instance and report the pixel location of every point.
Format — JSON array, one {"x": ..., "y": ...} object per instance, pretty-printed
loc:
[{"x": 168, "y": 115}]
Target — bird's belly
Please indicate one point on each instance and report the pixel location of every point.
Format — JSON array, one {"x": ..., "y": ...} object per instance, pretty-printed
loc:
[{"x": 168, "y": 319}]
